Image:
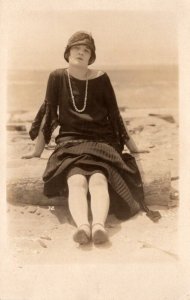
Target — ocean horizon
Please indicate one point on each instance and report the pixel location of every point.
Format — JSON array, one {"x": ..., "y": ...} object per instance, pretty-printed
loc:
[{"x": 135, "y": 87}]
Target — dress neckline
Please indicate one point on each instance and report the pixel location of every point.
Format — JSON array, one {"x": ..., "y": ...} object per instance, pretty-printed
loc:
[{"x": 71, "y": 76}]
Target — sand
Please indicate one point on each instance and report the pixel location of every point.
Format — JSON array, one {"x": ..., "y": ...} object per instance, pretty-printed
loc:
[{"x": 141, "y": 261}]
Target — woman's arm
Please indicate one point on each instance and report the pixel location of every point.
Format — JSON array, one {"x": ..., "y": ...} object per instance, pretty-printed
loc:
[
  {"x": 40, "y": 144},
  {"x": 131, "y": 144},
  {"x": 46, "y": 119},
  {"x": 118, "y": 124}
]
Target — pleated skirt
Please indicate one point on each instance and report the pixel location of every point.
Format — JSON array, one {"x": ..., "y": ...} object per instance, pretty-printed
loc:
[{"x": 88, "y": 157}]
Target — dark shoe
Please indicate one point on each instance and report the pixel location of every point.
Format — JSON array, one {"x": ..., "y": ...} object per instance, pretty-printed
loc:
[
  {"x": 82, "y": 235},
  {"x": 99, "y": 234}
]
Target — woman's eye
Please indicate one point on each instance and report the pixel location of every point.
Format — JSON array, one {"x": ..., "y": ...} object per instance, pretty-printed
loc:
[{"x": 75, "y": 47}]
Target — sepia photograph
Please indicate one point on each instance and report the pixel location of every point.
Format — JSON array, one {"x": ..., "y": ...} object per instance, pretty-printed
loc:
[{"x": 94, "y": 205}]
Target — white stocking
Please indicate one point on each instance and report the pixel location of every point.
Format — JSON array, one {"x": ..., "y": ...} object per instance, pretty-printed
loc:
[
  {"x": 77, "y": 199},
  {"x": 98, "y": 188}
]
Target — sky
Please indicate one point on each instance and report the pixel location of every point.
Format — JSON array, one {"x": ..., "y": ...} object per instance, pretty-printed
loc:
[{"x": 125, "y": 32}]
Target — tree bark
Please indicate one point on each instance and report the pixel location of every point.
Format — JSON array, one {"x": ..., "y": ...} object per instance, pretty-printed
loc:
[{"x": 27, "y": 189}]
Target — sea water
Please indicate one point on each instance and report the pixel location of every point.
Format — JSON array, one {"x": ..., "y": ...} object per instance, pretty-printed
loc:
[{"x": 135, "y": 87}]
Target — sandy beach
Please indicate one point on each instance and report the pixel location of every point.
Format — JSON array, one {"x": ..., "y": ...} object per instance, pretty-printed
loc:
[{"x": 41, "y": 236}]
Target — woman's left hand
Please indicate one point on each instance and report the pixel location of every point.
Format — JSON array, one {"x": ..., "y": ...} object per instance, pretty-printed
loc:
[{"x": 140, "y": 151}]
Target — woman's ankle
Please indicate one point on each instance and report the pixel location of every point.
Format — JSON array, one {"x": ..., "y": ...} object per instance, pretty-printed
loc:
[
  {"x": 98, "y": 226},
  {"x": 84, "y": 226}
]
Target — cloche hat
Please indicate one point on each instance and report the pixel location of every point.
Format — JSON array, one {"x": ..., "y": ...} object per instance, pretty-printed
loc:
[{"x": 81, "y": 38}]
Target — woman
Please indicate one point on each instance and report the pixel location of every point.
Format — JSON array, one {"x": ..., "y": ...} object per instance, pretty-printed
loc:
[{"x": 88, "y": 158}]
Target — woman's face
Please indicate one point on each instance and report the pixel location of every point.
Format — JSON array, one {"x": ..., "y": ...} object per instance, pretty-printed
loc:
[{"x": 79, "y": 55}]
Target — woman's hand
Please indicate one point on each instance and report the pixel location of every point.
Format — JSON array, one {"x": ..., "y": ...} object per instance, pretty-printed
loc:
[
  {"x": 138, "y": 151},
  {"x": 31, "y": 154},
  {"x": 133, "y": 148},
  {"x": 39, "y": 146}
]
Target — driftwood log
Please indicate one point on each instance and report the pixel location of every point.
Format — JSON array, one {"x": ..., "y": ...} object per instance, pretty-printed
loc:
[{"x": 25, "y": 185}]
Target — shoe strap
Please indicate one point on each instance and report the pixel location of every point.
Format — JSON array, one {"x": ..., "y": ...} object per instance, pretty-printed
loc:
[
  {"x": 98, "y": 224},
  {"x": 88, "y": 225}
]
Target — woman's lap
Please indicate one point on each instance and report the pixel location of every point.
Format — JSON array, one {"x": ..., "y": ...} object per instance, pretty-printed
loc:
[
  {"x": 88, "y": 159},
  {"x": 87, "y": 171}
]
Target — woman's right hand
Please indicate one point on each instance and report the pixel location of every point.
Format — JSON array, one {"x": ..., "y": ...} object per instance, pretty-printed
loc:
[{"x": 30, "y": 155}]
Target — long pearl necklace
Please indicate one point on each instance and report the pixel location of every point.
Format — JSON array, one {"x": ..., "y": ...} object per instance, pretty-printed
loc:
[{"x": 72, "y": 96}]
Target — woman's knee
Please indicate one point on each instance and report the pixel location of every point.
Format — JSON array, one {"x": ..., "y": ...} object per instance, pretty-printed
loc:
[
  {"x": 98, "y": 180},
  {"x": 77, "y": 181}
]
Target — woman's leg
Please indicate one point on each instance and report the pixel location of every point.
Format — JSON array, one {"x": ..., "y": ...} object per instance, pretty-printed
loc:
[
  {"x": 98, "y": 188},
  {"x": 78, "y": 205}
]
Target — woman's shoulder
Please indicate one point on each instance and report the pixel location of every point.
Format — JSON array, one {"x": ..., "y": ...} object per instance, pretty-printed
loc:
[
  {"x": 57, "y": 72},
  {"x": 93, "y": 73}
]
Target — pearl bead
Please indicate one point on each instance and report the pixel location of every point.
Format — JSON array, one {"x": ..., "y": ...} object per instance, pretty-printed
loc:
[{"x": 72, "y": 96}]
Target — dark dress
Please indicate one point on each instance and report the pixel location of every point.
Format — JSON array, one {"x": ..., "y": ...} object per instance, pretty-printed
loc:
[{"x": 88, "y": 142}]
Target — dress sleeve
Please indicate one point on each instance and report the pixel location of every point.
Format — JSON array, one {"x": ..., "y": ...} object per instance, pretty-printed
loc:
[
  {"x": 49, "y": 110},
  {"x": 114, "y": 114}
]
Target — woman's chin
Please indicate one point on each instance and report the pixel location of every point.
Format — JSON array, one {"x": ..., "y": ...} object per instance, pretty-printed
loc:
[{"x": 78, "y": 63}]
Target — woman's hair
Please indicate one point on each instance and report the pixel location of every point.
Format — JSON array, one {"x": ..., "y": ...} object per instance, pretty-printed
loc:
[{"x": 81, "y": 38}]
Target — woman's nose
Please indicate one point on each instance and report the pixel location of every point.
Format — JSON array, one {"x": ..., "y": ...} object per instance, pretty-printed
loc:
[{"x": 81, "y": 51}]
